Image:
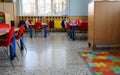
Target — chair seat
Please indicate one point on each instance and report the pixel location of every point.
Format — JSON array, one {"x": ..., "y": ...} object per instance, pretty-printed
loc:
[
  {"x": 4, "y": 43},
  {"x": 38, "y": 26},
  {"x": 84, "y": 27}
]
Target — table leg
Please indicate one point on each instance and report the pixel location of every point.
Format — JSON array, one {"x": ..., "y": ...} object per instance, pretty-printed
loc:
[
  {"x": 45, "y": 31},
  {"x": 73, "y": 33},
  {"x": 31, "y": 31},
  {"x": 21, "y": 43}
]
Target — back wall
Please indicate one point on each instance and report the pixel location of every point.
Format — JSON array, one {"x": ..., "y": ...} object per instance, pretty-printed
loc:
[{"x": 74, "y": 7}]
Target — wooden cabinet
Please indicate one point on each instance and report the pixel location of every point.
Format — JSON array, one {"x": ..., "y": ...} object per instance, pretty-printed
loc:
[
  {"x": 103, "y": 23},
  {"x": 10, "y": 8}
]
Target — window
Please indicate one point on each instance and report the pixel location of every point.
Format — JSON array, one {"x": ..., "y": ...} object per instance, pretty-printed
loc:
[
  {"x": 43, "y": 7},
  {"x": 28, "y": 7},
  {"x": 59, "y": 6}
]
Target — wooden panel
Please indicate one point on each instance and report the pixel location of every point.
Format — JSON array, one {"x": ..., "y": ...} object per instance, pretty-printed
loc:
[
  {"x": 9, "y": 7},
  {"x": 106, "y": 21},
  {"x": 91, "y": 22},
  {"x": 15, "y": 14},
  {"x": 1, "y": 7},
  {"x": 4, "y": 18},
  {"x": 102, "y": 23},
  {"x": 83, "y": 18},
  {"x": 7, "y": 19},
  {"x": 116, "y": 23}
]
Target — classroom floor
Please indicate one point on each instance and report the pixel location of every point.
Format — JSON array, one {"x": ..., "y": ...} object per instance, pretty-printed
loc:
[{"x": 54, "y": 55}]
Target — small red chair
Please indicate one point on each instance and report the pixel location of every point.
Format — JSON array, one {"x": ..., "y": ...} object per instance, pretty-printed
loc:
[
  {"x": 6, "y": 42},
  {"x": 68, "y": 28},
  {"x": 19, "y": 36},
  {"x": 84, "y": 27},
  {"x": 4, "y": 26},
  {"x": 78, "y": 22},
  {"x": 38, "y": 27}
]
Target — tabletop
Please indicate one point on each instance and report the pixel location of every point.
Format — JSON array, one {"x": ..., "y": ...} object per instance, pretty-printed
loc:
[{"x": 4, "y": 31}]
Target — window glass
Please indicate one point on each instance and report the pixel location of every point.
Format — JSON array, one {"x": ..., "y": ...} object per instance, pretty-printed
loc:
[{"x": 43, "y": 7}]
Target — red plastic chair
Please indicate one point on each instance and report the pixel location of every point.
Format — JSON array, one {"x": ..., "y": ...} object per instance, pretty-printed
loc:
[
  {"x": 68, "y": 28},
  {"x": 19, "y": 36},
  {"x": 38, "y": 27},
  {"x": 84, "y": 27},
  {"x": 78, "y": 22},
  {"x": 7, "y": 42},
  {"x": 20, "y": 32},
  {"x": 4, "y": 26}
]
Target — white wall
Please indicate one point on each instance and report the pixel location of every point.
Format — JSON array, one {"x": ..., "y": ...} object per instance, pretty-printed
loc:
[{"x": 78, "y": 7}]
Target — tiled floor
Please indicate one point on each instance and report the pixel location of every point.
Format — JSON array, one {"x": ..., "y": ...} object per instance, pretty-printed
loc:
[{"x": 54, "y": 55}]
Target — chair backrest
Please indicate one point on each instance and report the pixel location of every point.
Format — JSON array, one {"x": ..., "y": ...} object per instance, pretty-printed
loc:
[
  {"x": 68, "y": 26},
  {"x": 20, "y": 32},
  {"x": 78, "y": 22},
  {"x": 10, "y": 36},
  {"x": 5, "y": 26},
  {"x": 38, "y": 26},
  {"x": 84, "y": 26}
]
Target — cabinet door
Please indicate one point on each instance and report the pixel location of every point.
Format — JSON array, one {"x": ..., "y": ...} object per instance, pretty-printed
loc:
[
  {"x": 1, "y": 7},
  {"x": 103, "y": 22},
  {"x": 9, "y": 7},
  {"x": 116, "y": 23},
  {"x": 107, "y": 22}
]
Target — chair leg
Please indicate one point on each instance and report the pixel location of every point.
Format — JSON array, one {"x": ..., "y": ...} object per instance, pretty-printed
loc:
[
  {"x": 15, "y": 53},
  {"x": 18, "y": 44},
  {"x": 23, "y": 44},
  {"x": 42, "y": 32},
  {"x": 48, "y": 32},
  {"x": 6, "y": 51},
  {"x": 9, "y": 58},
  {"x": 19, "y": 47},
  {"x": 35, "y": 33}
]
